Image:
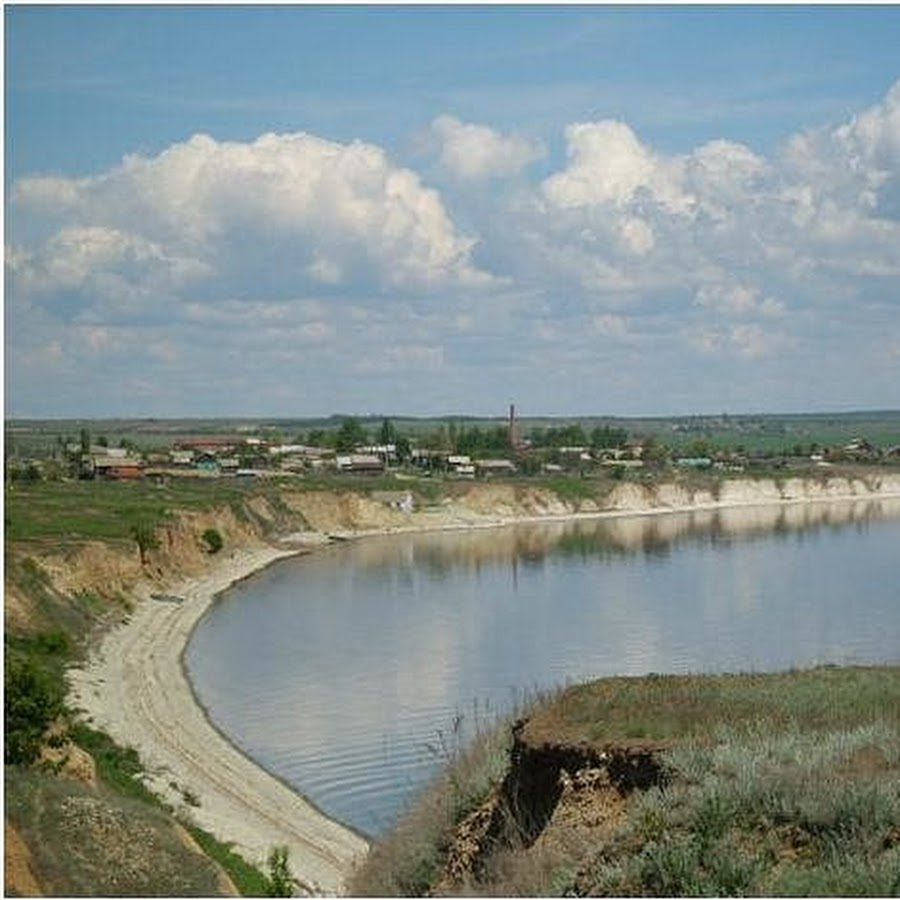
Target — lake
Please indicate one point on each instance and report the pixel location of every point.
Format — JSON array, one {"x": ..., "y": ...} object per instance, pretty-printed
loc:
[{"x": 345, "y": 670}]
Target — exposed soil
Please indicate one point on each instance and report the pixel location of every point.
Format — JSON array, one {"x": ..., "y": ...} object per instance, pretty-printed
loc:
[
  {"x": 555, "y": 796},
  {"x": 19, "y": 879}
]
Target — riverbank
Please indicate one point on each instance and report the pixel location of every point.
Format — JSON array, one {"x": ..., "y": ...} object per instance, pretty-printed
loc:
[
  {"x": 780, "y": 784},
  {"x": 134, "y": 686}
]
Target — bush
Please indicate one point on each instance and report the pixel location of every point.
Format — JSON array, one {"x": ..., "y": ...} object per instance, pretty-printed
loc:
[
  {"x": 213, "y": 540},
  {"x": 280, "y": 882},
  {"x": 33, "y": 700}
]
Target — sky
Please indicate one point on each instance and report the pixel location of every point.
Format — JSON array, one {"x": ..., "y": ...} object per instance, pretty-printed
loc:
[{"x": 433, "y": 210}]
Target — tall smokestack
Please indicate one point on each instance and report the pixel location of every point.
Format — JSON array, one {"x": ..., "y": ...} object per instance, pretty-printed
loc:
[{"x": 513, "y": 427}]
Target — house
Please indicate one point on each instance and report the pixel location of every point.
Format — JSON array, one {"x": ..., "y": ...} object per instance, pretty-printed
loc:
[
  {"x": 489, "y": 467},
  {"x": 387, "y": 452},
  {"x": 461, "y": 466},
  {"x": 117, "y": 466},
  {"x": 360, "y": 463},
  {"x": 181, "y": 458},
  {"x": 431, "y": 460}
]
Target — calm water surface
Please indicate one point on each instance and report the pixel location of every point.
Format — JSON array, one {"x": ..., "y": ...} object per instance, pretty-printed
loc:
[{"x": 340, "y": 671}]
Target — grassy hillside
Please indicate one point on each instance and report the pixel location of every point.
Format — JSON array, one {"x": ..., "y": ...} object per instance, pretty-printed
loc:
[{"x": 769, "y": 785}]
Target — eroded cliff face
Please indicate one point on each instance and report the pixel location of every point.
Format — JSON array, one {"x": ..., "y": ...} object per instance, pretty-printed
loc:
[
  {"x": 553, "y": 791},
  {"x": 98, "y": 578},
  {"x": 115, "y": 571}
]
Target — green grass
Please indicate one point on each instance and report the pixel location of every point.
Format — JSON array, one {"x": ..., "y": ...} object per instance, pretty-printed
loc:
[
  {"x": 777, "y": 784},
  {"x": 88, "y": 841},
  {"x": 120, "y": 769},
  {"x": 573, "y": 488},
  {"x": 106, "y": 510},
  {"x": 766, "y": 814},
  {"x": 117, "y": 766},
  {"x": 249, "y": 880},
  {"x": 667, "y": 707}
]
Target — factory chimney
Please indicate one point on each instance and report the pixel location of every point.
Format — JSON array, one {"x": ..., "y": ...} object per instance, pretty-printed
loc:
[{"x": 515, "y": 439}]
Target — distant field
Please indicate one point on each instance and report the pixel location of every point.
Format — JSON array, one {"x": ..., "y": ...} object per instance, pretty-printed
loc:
[{"x": 752, "y": 433}]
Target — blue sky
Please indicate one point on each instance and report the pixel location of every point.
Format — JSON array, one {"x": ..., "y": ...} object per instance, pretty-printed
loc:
[{"x": 297, "y": 210}]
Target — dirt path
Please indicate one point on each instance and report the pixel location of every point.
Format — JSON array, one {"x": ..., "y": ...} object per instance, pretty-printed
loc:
[{"x": 135, "y": 688}]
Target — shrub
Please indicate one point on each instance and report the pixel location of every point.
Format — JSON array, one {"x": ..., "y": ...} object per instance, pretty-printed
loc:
[
  {"x": 280, "y": 882},
  {"x": 213, "y": 540},
  {"x": 33, "y": 700}
]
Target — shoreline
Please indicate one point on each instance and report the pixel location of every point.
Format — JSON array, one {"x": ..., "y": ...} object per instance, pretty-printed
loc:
[{"x": 135, "y": 686}]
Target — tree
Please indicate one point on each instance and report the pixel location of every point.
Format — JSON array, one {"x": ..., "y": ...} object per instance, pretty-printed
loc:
[
  {"x": 606, "y": 436},
  {"x": 404, "y": 449},
  {"x": 388, "y": 433},
  {"x": 349, "y": 435},
  {"x": 655, "y": 453},
  {"x": 145, "y": 537}
]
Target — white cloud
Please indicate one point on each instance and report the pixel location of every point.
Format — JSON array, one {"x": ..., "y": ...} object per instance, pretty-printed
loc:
[
  {"x": 609, "y": 325},
  {"x": 724, "y": 177},
  {"x": 404, "y": 358},
  {"x": 475, "y": 152},
  {"x": 636, "y": 235},
  {"x": 329, "y": 261},
  {"x": 735, "y": 300},
  {"x": 609, "y": 165},
  {"x": 284, "y": 205},
  {"x": 746, "y": 340}
]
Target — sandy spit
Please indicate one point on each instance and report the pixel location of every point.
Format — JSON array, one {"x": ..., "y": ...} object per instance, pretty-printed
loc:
[{"x": 135, "y": 688}]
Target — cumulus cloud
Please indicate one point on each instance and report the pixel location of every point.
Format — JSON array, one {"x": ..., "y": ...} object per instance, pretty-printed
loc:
[
  {"x": 724, "y": 176},
  {"x": 608, "y": 164},
  {"x": 289, "y": 206},
  {"x": 294, "y": 251},
  {"x": 474, "y": 152},
  {"x": 636, "y": 235},
  {"x": 747, "y": 340}
]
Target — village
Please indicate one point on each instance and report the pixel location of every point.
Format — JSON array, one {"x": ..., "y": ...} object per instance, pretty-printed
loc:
[{"x": 455, "y": 451}]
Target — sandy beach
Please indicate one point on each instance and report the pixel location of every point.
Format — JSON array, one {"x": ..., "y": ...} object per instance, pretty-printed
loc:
[{"x": 135, "y": 688}]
